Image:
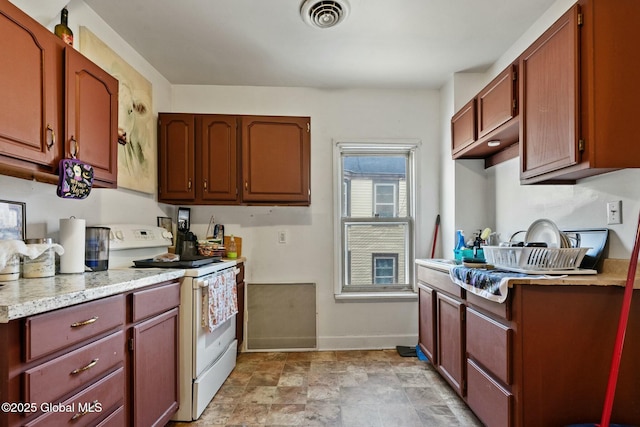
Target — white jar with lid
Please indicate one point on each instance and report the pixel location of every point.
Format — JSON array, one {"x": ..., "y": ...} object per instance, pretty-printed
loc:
[{"x": 42, "y": 266}]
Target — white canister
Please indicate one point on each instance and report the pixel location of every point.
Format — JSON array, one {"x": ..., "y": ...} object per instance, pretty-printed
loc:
[
  {"x": 42, "y": 266},
  {"x": 11, "y": 270}
]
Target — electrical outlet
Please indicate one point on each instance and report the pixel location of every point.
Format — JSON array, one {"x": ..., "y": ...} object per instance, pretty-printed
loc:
[
  {"x": 282, "y": 237},
  {"x": 614, "y": 212}
]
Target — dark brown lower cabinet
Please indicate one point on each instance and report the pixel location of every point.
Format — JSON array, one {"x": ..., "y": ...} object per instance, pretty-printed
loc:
[
  {"x": 450, "y": 338},
  {"x": 426, "y": 327},
  {"x": 107, "y": 362},
  {"x": 153, "y": 348},
  {"x": 541, "y": 358},
  {"x": 155, "y": 386}
]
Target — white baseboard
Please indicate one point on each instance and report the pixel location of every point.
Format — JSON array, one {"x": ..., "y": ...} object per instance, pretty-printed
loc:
[{"x": 374, "y": 342}]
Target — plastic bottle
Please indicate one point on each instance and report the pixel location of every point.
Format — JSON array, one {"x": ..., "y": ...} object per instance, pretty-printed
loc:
[
  {"x": 460, "y": 240},
  {"x": 232, "y": 249}
]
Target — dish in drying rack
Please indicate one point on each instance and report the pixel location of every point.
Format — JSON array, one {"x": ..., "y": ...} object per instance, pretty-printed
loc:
[{"x": 544, "y": 230}]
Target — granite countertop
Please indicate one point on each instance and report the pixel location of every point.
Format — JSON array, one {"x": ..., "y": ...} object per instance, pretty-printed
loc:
[
  {"x": 26, "y": 297},
  {"x": 614, "y": 273}
]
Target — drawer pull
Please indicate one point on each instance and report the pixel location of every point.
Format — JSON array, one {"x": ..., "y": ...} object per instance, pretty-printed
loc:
[
  {"x": 91, "y": 408},
  {"x": 52, "y": 140},
  {"x": 84, "y": 368},
  {"x": 84, "y": 322}
]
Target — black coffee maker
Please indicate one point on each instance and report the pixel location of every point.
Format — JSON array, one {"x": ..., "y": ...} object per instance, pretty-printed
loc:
[{"x": 183, "y": 234}]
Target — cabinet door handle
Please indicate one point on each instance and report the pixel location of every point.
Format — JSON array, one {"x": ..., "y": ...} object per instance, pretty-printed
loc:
[
  {"x": 205, "y": 185},
  {"x": 91, "y": 408},
  {"x": 84, "y": 368},
  {"x": 74, "y": 147},
  {"x": 189, "y": 185},
  {"x": 84, "y": 322},
  {"x": 246, "y": 185},
  {"x": 51, "y": 140}
]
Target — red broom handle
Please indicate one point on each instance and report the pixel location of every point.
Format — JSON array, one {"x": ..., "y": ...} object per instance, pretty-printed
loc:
[
  {"x": 435, "y": 236},
  {"x": 622, "y": 328}
]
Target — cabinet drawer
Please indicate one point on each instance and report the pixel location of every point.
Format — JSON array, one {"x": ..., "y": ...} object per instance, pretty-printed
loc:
[
  {"x": 499, "y": 309},
  {"x": 58, "y": 377},
  {"x": 489, "y": 343},
  {"x": 115, "y": 419},
  {"x": 148, "y": 302},
  {"x": 55, "y": 330},
  {"x": 439, "y": 280},
  {"x": 87, "y": 406},
  {"x": 487, "y": 399}
]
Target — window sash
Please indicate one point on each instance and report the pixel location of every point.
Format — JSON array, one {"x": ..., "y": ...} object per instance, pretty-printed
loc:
[
  {"x": 349, "y": 259},
  {"x": 404, "y": 207}
]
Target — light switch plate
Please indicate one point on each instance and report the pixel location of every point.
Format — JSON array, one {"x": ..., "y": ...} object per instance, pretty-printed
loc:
[{"x": 614, "y": 212}]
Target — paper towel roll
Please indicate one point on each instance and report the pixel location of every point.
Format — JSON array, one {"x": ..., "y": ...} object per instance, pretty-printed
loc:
[{"x": 72, "y": 240}]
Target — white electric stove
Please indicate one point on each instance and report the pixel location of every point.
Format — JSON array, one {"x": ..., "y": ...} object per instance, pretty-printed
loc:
[{"x": 205, "y": 358}]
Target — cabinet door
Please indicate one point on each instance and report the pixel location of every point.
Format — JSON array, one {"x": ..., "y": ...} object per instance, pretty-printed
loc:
[
  {"x": 276, "y": 156},
  {"x": 92, "y": 117},
  {"x": 155, "y": 368},
  {"x": 176, "y": 148},
  {"x": 426, "y": 322},
  {"x": 30, "y": 111},
  {"x": 450, "y": 345},
  {"x": 463, "y": 127},
  {"x": 217, "y": 148},
  {"x": 549, "y": 123},
  {"x": 497, "y": 102}
]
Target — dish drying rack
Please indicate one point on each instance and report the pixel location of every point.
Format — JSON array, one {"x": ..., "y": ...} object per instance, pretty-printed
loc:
[{"x": 537, "y": 260}]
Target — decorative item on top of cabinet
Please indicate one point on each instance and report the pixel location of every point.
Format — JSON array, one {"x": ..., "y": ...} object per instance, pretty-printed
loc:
[
  {"x": 276, "y": 160},
  {"x": 488, "y": 124},
  {"x": 92, "y": 117},
  {"x": 31, "y": 113},
  {"x": 579, "y": 96}
]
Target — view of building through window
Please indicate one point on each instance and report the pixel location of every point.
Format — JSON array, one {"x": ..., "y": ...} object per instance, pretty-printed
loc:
[{"x": 376, "y": 219}]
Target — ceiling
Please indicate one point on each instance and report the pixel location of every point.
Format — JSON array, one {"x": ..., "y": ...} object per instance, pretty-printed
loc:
[{"x": 400, "y": 44}]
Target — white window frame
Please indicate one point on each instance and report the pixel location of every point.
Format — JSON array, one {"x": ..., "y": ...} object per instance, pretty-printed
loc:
[
  {"x": 394, "y": 264},
  {"x": 394, "y": 202},
  {"x": 370, "y": 147}
]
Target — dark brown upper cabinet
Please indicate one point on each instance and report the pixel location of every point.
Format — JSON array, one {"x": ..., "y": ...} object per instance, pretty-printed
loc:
[
  {"x": 276, "y": 159},
  {"x": 55, "y": 103},
  {"x": 489, "y": 122},
  {"x": 579, "y": 93},
  {"x": 228, "y": 160}
]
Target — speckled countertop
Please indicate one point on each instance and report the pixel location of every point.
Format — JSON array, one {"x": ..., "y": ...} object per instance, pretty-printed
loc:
[
  {"x": 26, "y": 297},
  {"x": 614, "y": 273}
]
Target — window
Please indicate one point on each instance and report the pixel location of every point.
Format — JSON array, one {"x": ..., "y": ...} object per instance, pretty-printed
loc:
[
  {"x": 385, "y": 269},
  {"x": 375, "y": 184}
]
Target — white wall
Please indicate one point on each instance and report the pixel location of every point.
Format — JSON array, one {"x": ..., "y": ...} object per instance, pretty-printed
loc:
[{"x": 308, "y": 257}]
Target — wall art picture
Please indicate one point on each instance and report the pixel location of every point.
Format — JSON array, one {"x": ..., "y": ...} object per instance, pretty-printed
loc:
[
  {"x": 137, "y": 150},
  {"x": 12, "y": 220}
]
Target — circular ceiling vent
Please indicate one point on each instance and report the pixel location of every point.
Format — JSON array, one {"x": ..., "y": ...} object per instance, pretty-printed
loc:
[{"x": 324, "y": 13}]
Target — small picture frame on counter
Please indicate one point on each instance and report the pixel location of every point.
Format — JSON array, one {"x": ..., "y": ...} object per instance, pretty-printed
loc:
[
  {"x": 13, "y": 220},
  {"x": 166, "y": 223}
]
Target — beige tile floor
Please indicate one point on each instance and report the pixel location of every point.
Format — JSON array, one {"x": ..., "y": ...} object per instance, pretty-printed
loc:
[{"x": 375, "y": 388}]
